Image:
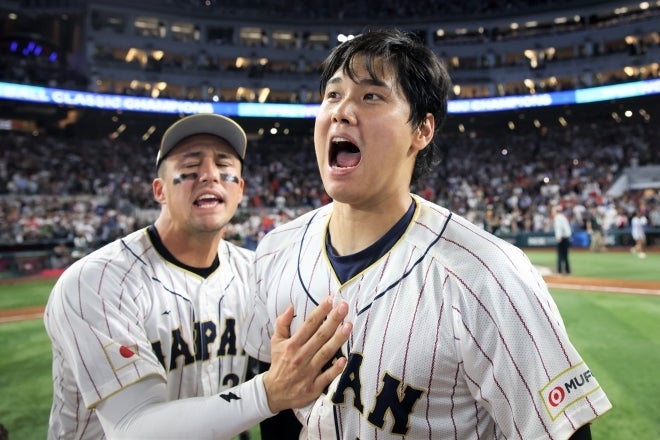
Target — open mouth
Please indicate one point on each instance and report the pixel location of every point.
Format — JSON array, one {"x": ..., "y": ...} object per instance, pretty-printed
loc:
[
  {"x": 207, "y": 201},
  {"x": 344, "y": 154}
]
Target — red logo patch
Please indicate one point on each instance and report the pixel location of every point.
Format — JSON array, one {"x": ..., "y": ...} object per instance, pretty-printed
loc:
[
  {"x": 556, "y": 396},
  {"x": 125, "y": 351}
]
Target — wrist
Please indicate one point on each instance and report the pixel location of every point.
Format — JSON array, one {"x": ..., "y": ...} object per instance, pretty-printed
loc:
[{"x": 268, "y": 390}]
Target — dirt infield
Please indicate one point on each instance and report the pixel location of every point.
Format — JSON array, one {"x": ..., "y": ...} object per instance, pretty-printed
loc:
[
  {"x": 24, "y": 313},
  {"x": 554, "y": 282},
  {"x": 21, "y": 314},
  {"x": 603, "y": 285}
]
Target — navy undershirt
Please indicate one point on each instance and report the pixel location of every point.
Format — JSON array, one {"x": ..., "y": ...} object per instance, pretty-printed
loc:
[
  {"x": 347, "y": 266},
  {"x": 203, "y": 272}
]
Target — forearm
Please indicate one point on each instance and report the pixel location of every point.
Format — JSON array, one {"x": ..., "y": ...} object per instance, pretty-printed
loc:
[{"x": 141, "y": 412}]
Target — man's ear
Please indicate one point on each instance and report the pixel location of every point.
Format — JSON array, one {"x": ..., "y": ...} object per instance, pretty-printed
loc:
[
  {"x": 158, "y": 190},
  {"x": 423, "y": 135}
]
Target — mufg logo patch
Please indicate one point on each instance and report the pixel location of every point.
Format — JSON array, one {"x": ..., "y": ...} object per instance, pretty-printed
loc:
[{"x": 568, "y": 387}]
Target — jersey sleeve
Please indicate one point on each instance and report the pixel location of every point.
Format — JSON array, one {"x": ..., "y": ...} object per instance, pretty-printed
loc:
[
  {"x": 517, "y": 358},
  {"x": 96, "y": 327}
]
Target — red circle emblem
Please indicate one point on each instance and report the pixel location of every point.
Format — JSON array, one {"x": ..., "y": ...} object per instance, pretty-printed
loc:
[
  {"x": 125, "y": 352},
  {"x": 556, "y": 396}
]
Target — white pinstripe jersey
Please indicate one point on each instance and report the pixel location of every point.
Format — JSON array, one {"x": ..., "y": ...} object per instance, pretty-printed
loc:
[
  {"x": 124, "y": 312},
  {"x": 455, "y": 335}
]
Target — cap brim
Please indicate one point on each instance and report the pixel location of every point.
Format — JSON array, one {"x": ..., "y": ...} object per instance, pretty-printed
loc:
[{"x": 206, "y": 123}]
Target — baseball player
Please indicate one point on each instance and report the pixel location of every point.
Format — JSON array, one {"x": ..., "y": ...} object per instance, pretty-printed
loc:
[
  {"x": 563, "y": 234},
  {"x": 455, "y": 334},
  {"x": 146, "y": 331},
  {"x": 638, "y": 224}
]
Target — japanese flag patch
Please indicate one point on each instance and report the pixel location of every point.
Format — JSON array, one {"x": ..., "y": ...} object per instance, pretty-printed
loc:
[{"x": 120, "y": 356}]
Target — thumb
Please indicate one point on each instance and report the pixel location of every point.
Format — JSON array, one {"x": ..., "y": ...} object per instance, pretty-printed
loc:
[{"x": 283, "y": 325}]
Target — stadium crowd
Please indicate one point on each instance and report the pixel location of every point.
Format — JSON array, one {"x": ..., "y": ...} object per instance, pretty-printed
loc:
[{"x": 84, "y": 191}]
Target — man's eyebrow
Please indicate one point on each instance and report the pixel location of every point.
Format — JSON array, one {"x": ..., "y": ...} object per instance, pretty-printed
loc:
[
  {"x": 369, "y": 81},
  {"x": 372, "y": 82}
]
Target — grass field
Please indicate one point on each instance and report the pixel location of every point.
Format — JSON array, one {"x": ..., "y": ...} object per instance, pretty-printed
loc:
[
  {"x": 618, "y": 335},
  {"x": 613, "y": 265}
]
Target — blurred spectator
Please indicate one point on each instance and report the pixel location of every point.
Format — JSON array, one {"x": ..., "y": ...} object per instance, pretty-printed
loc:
[
  {"x": 504, "y": 193},
  {"x": 594, "y": 225}
]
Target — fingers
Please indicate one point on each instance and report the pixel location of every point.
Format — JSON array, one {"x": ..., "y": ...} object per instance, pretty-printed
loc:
[
  {"x": 327, "y": 352},
  {"x": 331, "y": 335},
  {"x": 322, "y": 334},
  {"x": 297, "y": 375},
  {"x": 313, "y": 322},
  {"x": 283, "y": 324},
  {"x": 326, "y": 377}
]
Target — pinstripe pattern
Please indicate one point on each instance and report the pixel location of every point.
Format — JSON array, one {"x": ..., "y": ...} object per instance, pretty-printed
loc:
[
  {"x": 126, "y": 299},
  {"x": 455, "y": 335}
]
